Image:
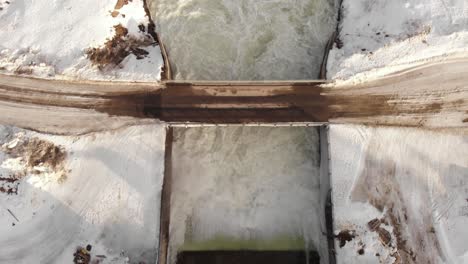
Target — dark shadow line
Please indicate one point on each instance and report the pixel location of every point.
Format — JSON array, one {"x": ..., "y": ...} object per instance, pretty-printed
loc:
[{"x": 166, "y": 199}]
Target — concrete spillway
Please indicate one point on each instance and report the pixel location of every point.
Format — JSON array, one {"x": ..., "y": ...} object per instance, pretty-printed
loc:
[{"x": 246, "y": 188}]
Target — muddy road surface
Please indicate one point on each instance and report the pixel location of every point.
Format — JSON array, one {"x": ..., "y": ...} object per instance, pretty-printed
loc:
[{"x": 431, "y": 96}]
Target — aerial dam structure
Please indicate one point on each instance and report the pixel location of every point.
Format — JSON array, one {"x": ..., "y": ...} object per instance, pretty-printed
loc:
[{"x": 229, "y": 158}]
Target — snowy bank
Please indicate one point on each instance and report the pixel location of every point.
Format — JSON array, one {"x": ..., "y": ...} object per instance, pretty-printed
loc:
[
  {"x": 101, "y": 189},
  {"x": 379, "y": 37},
  {"x": 51, "y": 39},
  {"x": 399, "y": 195}
]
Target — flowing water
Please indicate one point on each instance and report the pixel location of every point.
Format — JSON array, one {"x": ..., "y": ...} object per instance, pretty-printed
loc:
[
  {"x": 244, "y": 39},
  {"x": 244, "y": 188}
]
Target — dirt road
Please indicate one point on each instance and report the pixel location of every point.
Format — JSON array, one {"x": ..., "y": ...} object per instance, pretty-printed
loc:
[{"x": 431, "y": 96}]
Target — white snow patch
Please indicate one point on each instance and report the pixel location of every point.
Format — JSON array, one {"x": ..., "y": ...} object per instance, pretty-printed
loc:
[
  {"x": 51, "y": 39},
  {"x": 429, "y": 191},
  {"x": 381, "y": 36},
  {"x": 109, "y": 199}
]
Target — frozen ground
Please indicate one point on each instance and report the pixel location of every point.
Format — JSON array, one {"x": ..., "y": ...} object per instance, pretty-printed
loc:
[
  {"x": 381, "y": 36},
  {"x": 101, "y": 189},
  {"x": 50, "y": 39},
  {"x": 246, "y": 188},
  {"x": 400, "y": 195},
  {"x": 412, "y": 183}
]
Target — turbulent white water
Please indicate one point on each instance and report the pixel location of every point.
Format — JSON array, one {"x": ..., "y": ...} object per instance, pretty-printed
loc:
[
  {"x": 244, "y": 39},
  {"x": 246, "y": 184}
]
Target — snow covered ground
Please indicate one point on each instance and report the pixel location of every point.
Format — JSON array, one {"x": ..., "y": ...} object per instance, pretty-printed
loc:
[
  {"x": 50, "y": 39},
  {"x": 379, "y": 37},
  {"x": 246, "y": 188},
  {"x": 101, "y": 189},
  {"x": 400, "y": 195}
]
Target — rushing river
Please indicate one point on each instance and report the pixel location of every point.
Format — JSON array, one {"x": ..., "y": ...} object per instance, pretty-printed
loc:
[
  {"x": 250, "y": 188},
  {"x": 244, "y": 39}
]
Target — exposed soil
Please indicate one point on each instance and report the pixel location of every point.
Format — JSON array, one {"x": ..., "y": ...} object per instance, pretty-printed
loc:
[
  {"x": 139, "y": 53},
  {"x": 118, "y": 6},
  {"x": 379, "y": 186},
  {"x": 405, "y": 251},
  {"x": 374, "y": 224},
  {"x": 38, "y": 152},
  {"x": 9, "y": 185},
  {"x": 115, "y": 50},
  {"x": 345, "y": 236},
  {"x": 121, "y": 3},
  {"x": 384, "y": 236},
  {"x": 24, "y": 70},
  {"x": 82, "y": 256}
]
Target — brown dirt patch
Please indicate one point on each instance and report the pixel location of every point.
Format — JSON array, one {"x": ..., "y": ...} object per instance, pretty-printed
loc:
[
  {"x": 378, "y": 184},
  {"x": 345, "y": 236},
  {"x": 115, "y": 50},
  {"x": 374, "y": 224},
  {"x": 9, "y": 185},
  {"x": 383, "y": 194},
  {"x": 38, "y": 152},
  {"x": 384, "y": 236},
  {"x": 119, "y": 5},
  {"x": 44, "y": 152},
  {"x": 24, "y": 70}
]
